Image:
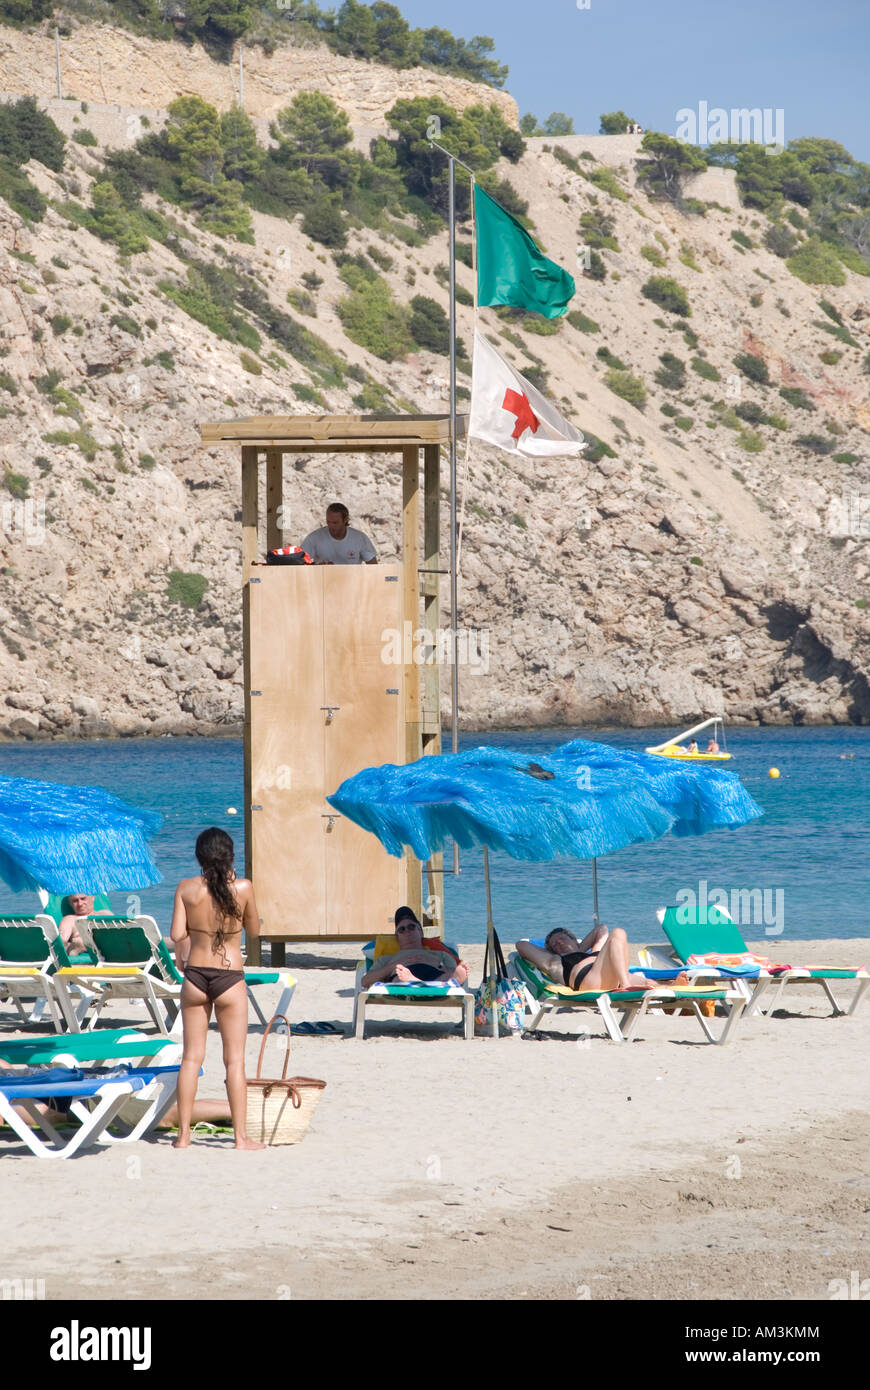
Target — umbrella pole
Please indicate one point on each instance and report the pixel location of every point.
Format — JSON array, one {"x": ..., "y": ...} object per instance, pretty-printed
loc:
[
  {"x": 490, "y": 942},
  {"x": 596, "y": 920}
]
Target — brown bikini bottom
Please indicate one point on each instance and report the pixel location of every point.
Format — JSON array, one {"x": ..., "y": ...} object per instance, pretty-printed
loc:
[{"x": 212, "y": 982}]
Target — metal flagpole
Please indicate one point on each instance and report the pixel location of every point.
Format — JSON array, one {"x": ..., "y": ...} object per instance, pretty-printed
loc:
[
  {"x": 452, "y": 161},
  {"x": 454, "y": 587}
]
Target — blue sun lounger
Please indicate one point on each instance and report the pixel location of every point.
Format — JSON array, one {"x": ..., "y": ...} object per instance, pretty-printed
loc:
[{"x": 105, "y": 1091}]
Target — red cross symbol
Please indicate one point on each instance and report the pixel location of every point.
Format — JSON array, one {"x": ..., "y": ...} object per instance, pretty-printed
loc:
[{"x": 518, "y": 404}]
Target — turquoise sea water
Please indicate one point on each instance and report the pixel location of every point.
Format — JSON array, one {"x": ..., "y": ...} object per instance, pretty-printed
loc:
[{"x": 807, "y": 861}]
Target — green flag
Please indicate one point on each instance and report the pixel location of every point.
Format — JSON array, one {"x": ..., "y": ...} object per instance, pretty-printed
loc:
[{"x": 511, "y": 269}]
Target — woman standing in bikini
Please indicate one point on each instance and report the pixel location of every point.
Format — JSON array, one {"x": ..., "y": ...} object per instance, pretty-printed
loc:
[{"x": 207, "y": 921}]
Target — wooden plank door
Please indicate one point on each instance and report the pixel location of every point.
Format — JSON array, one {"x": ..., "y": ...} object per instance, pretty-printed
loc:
[
  {"x": 287, "y": 750},
  {"x": 362, "y": 605}
]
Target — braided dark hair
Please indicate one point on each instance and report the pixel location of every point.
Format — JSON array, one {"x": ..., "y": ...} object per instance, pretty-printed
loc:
[{"x": 214, "y": 853}]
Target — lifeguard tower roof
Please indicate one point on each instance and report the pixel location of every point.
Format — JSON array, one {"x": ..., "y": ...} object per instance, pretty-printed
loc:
[{"x": 335, "y": 433}]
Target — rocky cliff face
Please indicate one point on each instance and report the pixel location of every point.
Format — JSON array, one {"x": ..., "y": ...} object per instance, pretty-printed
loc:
[
  {"x": 118, "y": 70},
  {"x": 683, "y": 576}
]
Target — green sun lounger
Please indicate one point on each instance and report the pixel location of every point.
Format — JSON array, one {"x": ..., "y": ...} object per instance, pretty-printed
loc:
[
  {"x": 57, "y": 906},
  {"x": 31, "y": 953},
  {"x": 132, "y": 962},
  {"x": 711, "y": 931},
  {"x": 95, "y": 1048},
  {"x": 142, "y": 966},
  {"x": 632, "y": 1004}
]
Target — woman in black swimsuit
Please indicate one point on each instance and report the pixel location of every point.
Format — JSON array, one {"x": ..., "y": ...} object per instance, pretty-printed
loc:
[
  {"x": 208, "y": 917},
  {"x": 599, "y": 961}
]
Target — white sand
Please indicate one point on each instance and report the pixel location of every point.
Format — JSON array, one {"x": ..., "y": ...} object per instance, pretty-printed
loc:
[{"x": 518, "y": 1168}]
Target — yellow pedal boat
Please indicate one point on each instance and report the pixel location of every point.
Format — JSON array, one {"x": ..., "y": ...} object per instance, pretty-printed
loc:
[{"x": 674, "y": 748}]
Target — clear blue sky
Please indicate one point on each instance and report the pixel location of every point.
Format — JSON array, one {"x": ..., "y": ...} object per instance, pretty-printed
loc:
[{"x": 652, "y": 57}]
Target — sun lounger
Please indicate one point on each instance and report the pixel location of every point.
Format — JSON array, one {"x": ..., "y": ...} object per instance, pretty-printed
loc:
[
  {"x": 31, "y": 951},
  {"x": 135, "y": 946},
  {"x": 97, "y": 1099},
  {"x": 544, "y": 994},
  {"x": 97, "y": 1048},
  {"x": 23, "y": 984},
  {"x": 57, "y": 906},
  {"x": 423, "y": 995},
  {"x": 133, "y": 962},
  {"x": 255, "y": 978},
  {"x": 710, "y": 932},
  {"x": 659, "y": 962}
]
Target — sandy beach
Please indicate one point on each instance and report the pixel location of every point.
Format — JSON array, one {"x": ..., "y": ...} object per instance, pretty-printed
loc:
[{"x": 554, "y": 1167}]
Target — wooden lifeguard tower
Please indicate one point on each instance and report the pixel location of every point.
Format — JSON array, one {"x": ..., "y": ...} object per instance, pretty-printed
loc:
[{"x": 323, "y": 699}]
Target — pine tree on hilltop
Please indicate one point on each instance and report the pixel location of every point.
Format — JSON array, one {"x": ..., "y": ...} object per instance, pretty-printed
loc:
[
  {"x": 667, "y": 163},
  {"x": 615, "y": 123}
]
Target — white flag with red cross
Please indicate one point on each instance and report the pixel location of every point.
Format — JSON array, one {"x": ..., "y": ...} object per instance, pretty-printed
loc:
[{"x": 508, "y": 411}]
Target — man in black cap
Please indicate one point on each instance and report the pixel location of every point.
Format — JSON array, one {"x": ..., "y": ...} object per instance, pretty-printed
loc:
[{"x": 415, "y": 961}]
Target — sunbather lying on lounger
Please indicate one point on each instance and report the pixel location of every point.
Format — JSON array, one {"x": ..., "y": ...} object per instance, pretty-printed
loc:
[
  {"x": 414, "y": 963},
  {"x": 599, "y": 961},
  {"x": 80, "y": 905}
]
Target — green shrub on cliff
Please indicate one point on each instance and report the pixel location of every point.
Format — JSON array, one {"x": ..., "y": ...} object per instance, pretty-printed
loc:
[
  {"x": 667, "y": 294},
  {"x": 371, "y": 316},
  {"x": 705, "y": 369},
  {"x": 797, "y": 397},
  {"x": 672, "y": 373},
  {"x": 816, "y": 263},
  {"x": 629, "y": 387},
  {"x": 753, "y": 367},
  {"x": 186, "y": 589}
]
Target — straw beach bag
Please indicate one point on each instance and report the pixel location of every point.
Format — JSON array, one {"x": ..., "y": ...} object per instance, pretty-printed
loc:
[{"x": 280, "y": 1109}]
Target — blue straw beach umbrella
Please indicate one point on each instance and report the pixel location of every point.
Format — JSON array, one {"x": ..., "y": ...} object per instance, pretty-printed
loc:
[
  {"x": 582, "y": 799},
  {"x": 65, "y": 838}
]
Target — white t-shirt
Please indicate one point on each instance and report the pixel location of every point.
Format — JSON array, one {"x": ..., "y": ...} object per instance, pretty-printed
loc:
[{"x": 354, "y": 549}]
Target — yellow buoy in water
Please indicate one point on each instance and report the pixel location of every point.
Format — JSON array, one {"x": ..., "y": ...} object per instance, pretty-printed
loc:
[{"x": 774, "y": 772}]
